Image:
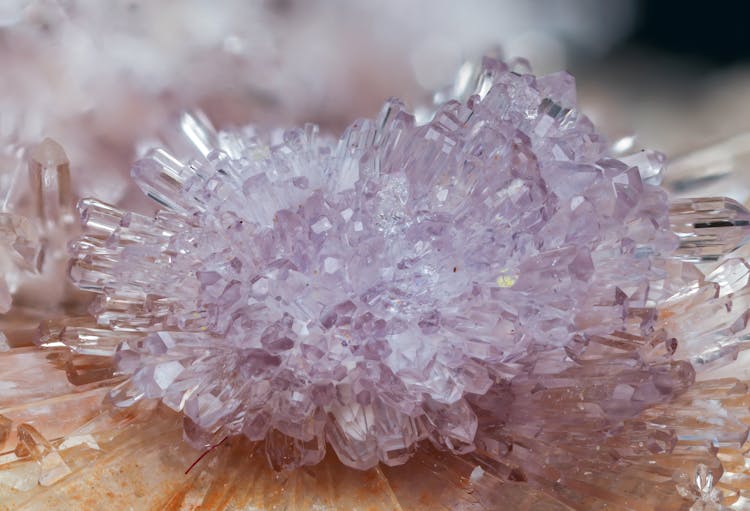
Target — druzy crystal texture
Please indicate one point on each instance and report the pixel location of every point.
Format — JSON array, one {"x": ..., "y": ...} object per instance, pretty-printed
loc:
[
  {"x": 361, "y": 292},
  {"x": 485, "y": 298}
]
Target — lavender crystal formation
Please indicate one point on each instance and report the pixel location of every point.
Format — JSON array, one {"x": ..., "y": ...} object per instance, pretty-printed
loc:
[{"x": 380, "y": 289}]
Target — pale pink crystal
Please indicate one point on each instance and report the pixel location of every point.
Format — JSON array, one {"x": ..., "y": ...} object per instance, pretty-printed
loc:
[{"x": 356, "y": 291}]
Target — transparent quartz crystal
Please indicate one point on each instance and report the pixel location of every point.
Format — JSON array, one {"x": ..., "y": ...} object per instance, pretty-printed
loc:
[
  {"x": 357, "y": 292},
  {"x": 564, "y": 334},
  {"x": 35, "y": 220}
]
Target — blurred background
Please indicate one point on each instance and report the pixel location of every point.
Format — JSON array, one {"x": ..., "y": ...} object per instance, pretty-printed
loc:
[{"x": 103, "y": 77}]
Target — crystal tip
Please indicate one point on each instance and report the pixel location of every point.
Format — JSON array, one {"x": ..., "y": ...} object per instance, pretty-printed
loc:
[{"x": 49, "y": 153}]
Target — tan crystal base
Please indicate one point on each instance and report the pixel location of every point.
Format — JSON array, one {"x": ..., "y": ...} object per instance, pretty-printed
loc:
[
  {"x": 63, "y": 452},
  {"x": 61, "y": 449},
  {"x": 128, "y": 462}
]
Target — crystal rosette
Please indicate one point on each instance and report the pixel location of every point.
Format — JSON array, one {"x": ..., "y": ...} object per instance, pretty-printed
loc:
[
  {"x": 493, "y": 281},
  {"x": 356, "y": 291}
]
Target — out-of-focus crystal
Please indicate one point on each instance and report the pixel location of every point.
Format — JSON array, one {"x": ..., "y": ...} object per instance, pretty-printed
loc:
[
  {"x": 717, "y": 169},
  {"x": 5, "y": 427},
  {"x": 49, "y": 171}
]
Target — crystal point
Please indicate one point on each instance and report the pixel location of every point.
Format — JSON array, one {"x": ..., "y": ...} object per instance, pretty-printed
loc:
[
  {"x": 709, "y": 227},
  {"x": 49, "y": 171},
  {"x": 361, "y": 292}
]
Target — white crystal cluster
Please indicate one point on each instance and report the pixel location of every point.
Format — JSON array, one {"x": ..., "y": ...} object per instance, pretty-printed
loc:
[{"x": 353, "y": 292}]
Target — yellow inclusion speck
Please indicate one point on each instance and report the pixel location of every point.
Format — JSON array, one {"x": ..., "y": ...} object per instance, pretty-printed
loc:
[
  {"x": 506, "y": 280},
  {"x": 260, "y": 153}
]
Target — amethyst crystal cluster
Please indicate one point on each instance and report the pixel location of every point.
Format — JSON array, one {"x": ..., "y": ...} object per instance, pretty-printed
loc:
[{"x": 404, "y": 282}]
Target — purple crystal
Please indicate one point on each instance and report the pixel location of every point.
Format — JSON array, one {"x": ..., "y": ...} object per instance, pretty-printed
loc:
[{"x": 358, "y": 291}]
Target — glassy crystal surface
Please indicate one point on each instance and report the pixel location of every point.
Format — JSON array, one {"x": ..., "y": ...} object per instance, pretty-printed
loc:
[
  {"x": 36, "y": 215},
  {"x": 354, "y": 292},
  {"x": 482, "y": 306}
]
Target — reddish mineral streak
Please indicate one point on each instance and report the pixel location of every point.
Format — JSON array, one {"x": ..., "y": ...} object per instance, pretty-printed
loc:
[{"x": 205, "y": 453}]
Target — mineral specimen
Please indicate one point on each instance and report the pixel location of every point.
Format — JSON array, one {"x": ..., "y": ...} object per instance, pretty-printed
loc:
[
  {"x": 486, "y": 278},
  {"x": 306, "y": 290}
]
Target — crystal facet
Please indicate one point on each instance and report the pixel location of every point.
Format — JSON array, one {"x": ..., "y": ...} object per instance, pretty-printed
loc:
[{"x": 360, "y": 290}]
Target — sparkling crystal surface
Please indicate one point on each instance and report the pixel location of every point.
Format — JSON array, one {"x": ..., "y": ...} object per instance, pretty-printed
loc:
[
  {"x": 484, "y": 306},
  {"x": 297, "y": 292},
  {"x": 356, "y": 291}
]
